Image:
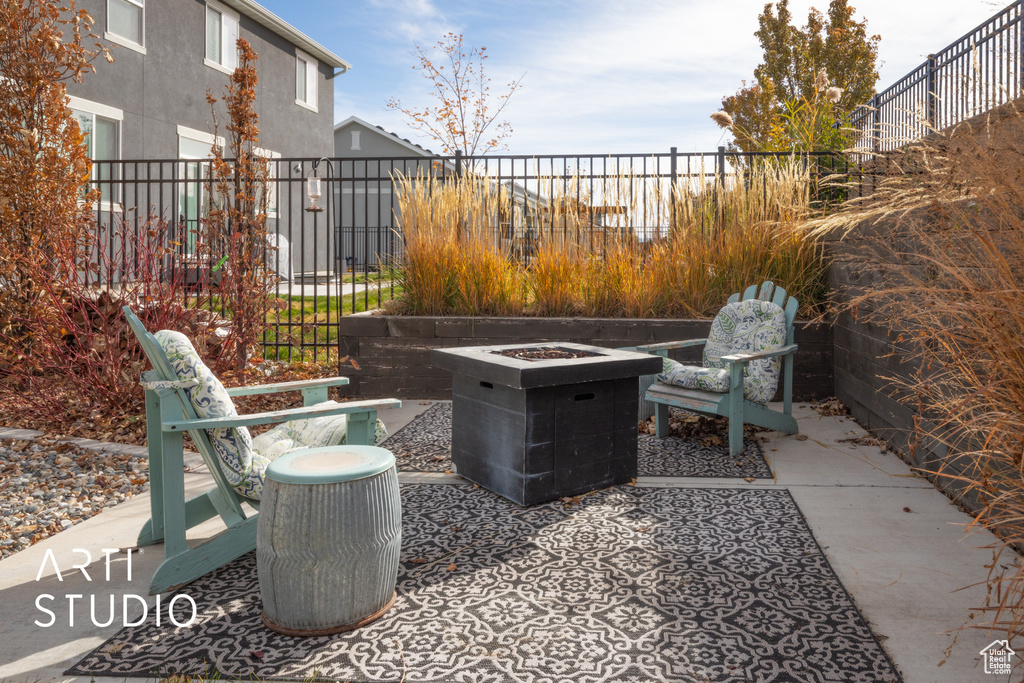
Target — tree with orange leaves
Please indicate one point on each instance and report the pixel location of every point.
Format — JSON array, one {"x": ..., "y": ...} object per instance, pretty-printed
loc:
[
  {"x": 44, "y": 163},
  {"x": 236, "y": 233},
  {"x": 465, "y": 116}
]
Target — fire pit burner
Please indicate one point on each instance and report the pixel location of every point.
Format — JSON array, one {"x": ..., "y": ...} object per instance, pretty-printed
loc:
[{"x": 546, "y": 353}]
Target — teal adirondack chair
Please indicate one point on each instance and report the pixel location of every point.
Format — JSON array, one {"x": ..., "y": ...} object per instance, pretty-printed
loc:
[
  {"x": 169, "y": 414},
  {"x": 739, "y": 375}
]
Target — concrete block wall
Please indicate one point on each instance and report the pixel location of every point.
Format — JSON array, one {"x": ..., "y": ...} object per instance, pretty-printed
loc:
[{"x": 392, "y": 351}]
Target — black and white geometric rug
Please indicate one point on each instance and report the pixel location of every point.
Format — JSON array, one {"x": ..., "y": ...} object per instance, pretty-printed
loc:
[
  {"x": 424, "y": 445},
  {"x": 630, "y": 584}
]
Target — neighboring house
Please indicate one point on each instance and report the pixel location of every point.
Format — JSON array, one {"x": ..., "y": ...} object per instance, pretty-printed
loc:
[
  {"x": 151, "y": 102},
  {"x": 365, "y": 196}
]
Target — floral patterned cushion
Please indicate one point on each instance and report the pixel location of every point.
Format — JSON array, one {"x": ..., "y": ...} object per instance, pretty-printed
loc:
[
  {"x": 312, "y": 433},
  {"x": 243, "y": 459},
  {"x": 741, "y": 327},
  {"x": 209, "y": 398}
]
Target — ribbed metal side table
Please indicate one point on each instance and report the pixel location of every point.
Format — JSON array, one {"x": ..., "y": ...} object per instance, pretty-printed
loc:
[{"x": 328, "y": 539}]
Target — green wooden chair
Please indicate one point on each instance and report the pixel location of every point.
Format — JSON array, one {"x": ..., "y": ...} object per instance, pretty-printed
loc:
[
  {"x": 740, "y": 370},
  {"x": 170, "y": 412}
]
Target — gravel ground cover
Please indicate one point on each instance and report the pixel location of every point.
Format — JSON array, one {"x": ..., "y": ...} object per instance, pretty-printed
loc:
[{"x": 48, "y": 485}]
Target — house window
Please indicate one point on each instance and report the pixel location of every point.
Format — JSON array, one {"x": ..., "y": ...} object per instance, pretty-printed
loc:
[
  {"x": 126, "y": 23},
  {"x": 305, "y": 80},
  {"x": 194, "y": 148},
  {"x": 101, "y": 126},
  {"x": 355, "y": 139},
  {"x": 221, "y": 36}
]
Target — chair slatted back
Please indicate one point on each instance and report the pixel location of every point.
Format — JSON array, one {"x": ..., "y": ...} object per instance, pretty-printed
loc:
[
  {"x": 765, "y": 293},
  {"x": 164, "y": 371}
]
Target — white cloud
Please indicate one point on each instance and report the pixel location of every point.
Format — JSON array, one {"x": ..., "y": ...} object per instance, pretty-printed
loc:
[
  {"x": 412, "y": 21},
  {"x": 604, "y": 75},
  {"x": 641, "y": 76}
]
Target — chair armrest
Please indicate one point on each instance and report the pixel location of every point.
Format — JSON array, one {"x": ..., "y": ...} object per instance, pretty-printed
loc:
[
  {"x": 272, "y": 417},
  {"x": 757, "y": 355},
  {"x": 664, "y": 346},
  {"x": 288, "y": 386}
]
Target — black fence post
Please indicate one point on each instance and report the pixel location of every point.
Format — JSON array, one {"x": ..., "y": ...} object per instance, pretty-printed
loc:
[
  {"x": 930, "y": 81},
  {"x": 458, "y": 164},
  {"x": 1020, "y": 47},
  {"x": 674, "y": 175},
  {"x": 719, "y": 177},
  {"x": 877, "y": 134}
]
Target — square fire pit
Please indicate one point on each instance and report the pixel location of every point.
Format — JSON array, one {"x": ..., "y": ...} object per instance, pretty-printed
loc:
[{"x": 534, "y": 422}]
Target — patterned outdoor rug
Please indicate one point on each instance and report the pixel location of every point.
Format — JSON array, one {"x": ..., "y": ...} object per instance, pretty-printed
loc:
[
  {"x": 424, "y": 445},
  {"x": 630, "y": 584}
]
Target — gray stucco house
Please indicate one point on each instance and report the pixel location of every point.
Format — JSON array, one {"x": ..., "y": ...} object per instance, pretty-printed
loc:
[{"x": 150, "y": 104}]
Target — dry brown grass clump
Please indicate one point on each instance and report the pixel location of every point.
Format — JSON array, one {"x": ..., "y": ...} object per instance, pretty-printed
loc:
[
  {"x": 946, "y": 226},
  {"x": 591, "y": 255},
  {"x": 452, "y": 263}
]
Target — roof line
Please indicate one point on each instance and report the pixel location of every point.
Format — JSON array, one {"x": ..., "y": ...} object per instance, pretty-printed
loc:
[
  {"x": 394, "y": 136},
  {"x": 278, "y": 25}
]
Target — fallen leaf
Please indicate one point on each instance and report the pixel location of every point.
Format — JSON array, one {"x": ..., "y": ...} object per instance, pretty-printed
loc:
[
  {"x": 907, "y": 509},
  {"x": 418, "y": 560},
  {"x": 749, "y": 479},
  {"x": 800, "y": 437},
  {"x": 643, "y": 529},
  {"x": 256, "y": 654},
  {"x": 451, "y": 567}
]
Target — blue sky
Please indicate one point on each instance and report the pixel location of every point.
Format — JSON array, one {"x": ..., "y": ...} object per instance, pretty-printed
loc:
[{"x": 600, "y": 75}]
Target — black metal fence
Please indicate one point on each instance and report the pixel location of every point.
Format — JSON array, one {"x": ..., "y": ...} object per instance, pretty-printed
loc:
[
  {"x": 977, "y": 72},
  {"x": 343, "y": 259}
]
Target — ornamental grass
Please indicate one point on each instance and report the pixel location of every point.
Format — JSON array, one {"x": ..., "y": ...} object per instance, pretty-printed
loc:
[
  {"x": 945, "y": 229},
  {"x": 632, "y": 248}
]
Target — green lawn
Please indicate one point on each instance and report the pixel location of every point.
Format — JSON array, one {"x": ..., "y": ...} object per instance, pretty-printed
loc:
[{"x": 309, "y": 324}]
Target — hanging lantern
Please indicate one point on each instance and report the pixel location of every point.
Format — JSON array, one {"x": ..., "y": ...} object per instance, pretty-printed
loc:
[{"x": 313, "y": 192}]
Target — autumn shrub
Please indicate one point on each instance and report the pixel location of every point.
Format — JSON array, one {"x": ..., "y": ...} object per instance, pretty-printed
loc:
[
  {"x": 235, "y": 233},
  {"x": 44, "y": 165},
  {"x": 84, "y": 358},
  {"x": 943, "y": 232}
]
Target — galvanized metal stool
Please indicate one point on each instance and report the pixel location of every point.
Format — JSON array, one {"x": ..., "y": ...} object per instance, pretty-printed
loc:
[{"x": 328, "y": 539}]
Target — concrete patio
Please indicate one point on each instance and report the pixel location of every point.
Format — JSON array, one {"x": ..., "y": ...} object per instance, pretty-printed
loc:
[{"x": 896, "y": 543}]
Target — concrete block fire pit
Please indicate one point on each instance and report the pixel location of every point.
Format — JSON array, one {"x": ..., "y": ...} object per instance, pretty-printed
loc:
[{"x": 535, "y": 422}]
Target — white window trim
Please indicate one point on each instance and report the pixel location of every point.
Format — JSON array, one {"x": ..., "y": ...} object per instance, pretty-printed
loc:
[
  {"x": 104, "y": 110},
  {"x": 200, "y": 136},
  {"x": 310, "y": 62},
  {"x": 124, "y": 42},
  {"x": 227, "y": 12},
  {"x": 355, "y": 141},
  {"x": 214, "y": 65},
  {"x": 127, "y": 42},
  {"x": 107, "y": 112}
]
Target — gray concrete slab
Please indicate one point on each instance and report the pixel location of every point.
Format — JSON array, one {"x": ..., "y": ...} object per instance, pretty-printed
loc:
[{"x": 910, "y": 572}]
